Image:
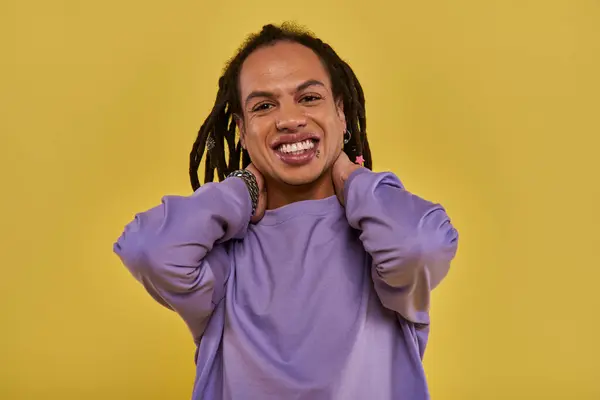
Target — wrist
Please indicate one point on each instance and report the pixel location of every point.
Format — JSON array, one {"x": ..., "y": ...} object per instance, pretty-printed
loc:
[
  {"x": 352, "y": 175},
  {"x": 251, "y": 184},
  {"x": 349, "y": 171}
]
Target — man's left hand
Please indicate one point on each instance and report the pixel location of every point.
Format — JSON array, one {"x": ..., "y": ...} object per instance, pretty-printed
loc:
[{"x": 342, "y": 169}]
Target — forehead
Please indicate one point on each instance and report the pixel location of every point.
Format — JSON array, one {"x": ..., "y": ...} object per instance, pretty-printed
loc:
[{"x": 282, "y": 66}]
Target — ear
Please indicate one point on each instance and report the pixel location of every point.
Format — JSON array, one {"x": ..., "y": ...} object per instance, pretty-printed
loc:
[
  {"x": 239, "y": 121},
  {"x": 339, "y": 106}
]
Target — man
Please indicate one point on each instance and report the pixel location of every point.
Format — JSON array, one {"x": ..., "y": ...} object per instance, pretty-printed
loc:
[{"x": 304, "y": 275}]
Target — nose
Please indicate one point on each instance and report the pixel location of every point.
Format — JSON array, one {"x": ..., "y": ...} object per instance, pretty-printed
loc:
[{"x": 290, "y": 119}]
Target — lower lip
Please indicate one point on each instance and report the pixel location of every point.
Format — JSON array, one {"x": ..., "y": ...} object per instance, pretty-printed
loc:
[{"x": 298, "y": 159}]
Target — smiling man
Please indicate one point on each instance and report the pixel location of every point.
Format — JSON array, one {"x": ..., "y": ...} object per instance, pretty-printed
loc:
[{"x": 301, "y": 274}]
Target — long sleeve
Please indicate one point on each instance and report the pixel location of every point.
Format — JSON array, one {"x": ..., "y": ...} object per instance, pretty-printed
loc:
[
  {"x": 411, "y": 241},
  {"x": 177, "y": 249}
]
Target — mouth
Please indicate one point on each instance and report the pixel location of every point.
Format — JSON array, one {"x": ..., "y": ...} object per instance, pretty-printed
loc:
[{"x": 297, "y": 151}]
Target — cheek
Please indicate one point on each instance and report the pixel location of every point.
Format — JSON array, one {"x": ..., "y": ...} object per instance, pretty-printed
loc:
[
  {"x": 256, "y": 138},
  {"x": 335, "y": 133}
]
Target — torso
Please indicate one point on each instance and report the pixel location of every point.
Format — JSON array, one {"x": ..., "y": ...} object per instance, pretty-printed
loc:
[{"x": 301, "y": 320}]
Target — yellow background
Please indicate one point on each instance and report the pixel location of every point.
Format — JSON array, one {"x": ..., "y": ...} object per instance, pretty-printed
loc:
[{"x": 491, "y": 108}]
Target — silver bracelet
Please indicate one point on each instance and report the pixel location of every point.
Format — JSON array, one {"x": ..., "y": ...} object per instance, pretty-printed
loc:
[{"x": 250, "y": 181}]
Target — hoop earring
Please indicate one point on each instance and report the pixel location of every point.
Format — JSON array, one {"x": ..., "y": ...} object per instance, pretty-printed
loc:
[{"x": 347, "y": 136}]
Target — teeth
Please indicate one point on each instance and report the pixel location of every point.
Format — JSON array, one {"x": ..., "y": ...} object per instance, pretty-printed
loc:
[{"x": 296, "y": 148}]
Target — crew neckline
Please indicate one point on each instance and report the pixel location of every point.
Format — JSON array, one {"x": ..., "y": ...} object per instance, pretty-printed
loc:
[{"x": 328, "y": 205}]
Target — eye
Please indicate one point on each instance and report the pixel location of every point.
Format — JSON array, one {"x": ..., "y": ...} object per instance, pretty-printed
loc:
[
  {"x": 262, "y": 107},
  {"x": 310, "y": 98}
]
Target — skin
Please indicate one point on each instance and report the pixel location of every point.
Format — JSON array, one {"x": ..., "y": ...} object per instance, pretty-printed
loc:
[{"x": 286, "y": 90}]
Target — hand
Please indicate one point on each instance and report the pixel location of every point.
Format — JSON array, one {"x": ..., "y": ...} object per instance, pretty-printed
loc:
[
  {"x": 342, "y": 169},
  {"x": 261, "y": 206}
]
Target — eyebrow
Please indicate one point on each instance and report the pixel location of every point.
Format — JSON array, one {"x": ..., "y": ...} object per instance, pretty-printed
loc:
[{"x": 299, "y": 88}]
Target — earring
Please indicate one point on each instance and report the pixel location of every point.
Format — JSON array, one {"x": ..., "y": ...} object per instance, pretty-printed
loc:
[
  {"x": 210, "y": 143},
  {"x": 347, "y": 136}
]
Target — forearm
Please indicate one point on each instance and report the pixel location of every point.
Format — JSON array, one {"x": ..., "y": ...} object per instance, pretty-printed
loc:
[
  {"x": 173, "y": 249},
  {"x": 410, "y": 240}
]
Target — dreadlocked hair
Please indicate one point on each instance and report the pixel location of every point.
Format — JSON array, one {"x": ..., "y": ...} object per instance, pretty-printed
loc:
[{"x": 217, "y": 136}]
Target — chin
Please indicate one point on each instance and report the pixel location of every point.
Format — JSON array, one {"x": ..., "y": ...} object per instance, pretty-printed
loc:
[
  {"x": 300, "y": 181},
  {"x": 301, "y": 176}
]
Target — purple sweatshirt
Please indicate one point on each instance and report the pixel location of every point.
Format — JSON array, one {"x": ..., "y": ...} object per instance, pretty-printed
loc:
[{"x": 315, "y": 302}]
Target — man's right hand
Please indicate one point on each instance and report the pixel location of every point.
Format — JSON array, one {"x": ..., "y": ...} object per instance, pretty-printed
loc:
[{"x": 261, "y": 206}]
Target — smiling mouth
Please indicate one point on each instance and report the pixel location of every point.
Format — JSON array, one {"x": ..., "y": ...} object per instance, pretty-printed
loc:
[
  {"x": 296, "y": 148},
  {"x": 298, "y": 153}
]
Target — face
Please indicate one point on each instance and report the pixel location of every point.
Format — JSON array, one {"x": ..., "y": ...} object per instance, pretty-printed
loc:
[{"x": 292, "y": 126}]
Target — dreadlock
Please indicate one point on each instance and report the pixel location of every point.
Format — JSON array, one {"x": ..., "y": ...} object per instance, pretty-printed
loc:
[{"x": 219, "y": 128}]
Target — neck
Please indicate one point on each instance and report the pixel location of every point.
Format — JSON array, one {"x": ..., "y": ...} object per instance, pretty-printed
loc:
[{"x": 281, "y": 194}]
